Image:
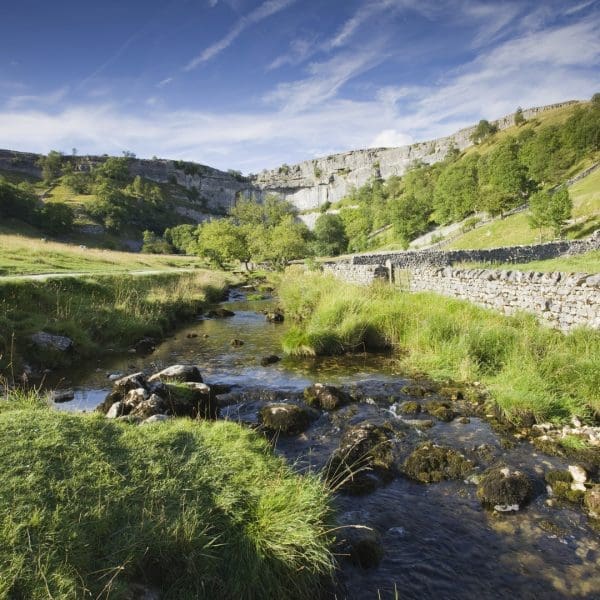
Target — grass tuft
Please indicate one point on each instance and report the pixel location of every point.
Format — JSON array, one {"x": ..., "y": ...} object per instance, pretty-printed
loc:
[{"x": 90, "y": 507}]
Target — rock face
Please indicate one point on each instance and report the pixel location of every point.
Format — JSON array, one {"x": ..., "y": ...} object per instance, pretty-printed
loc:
[{"x": 309, "y": 184}]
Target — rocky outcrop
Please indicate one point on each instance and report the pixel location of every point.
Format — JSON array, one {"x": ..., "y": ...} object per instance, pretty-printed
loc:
[{"x": 309, "y": 184}]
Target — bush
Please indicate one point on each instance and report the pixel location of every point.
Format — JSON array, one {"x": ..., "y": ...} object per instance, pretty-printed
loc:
[{"x": 91, "y": 507}]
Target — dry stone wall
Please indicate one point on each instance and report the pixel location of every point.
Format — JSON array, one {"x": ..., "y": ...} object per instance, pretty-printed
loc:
[{"x": 562, "y": 300}]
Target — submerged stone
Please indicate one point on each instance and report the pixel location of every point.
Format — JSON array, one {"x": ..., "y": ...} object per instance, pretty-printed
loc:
[
  {"x": 430, "y": 463},
  {"x": 361, "y": 545},
  {"x": 220, "y": 313},
  {"x": 327, "y": 397},
  {"x": 285, "y": 418},
  {"x": 269, "y": 360},
  {"x": 504, "y": 490},
  {"x": 364, "y": 459}
]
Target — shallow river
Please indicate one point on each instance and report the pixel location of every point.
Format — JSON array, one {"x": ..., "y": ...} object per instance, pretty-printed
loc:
[{"x": 438, "y": 541}]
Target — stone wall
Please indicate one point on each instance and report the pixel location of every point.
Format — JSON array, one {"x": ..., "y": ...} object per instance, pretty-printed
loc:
[
  {"x": 562, "y": 300},
  {"x": 359, "y": 274},
  {"x": 513, "y": 254}
]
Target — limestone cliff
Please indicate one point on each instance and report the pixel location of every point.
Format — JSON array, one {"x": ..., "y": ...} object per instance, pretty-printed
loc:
[{"x": 311, "y": 183}]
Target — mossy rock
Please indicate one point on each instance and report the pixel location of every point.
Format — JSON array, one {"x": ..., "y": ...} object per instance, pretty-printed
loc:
[
  {"x": 558, "y": 475},
  {"x": 121, "y": 388},
  {"x": 562, "y": 490},
  {"x": 430, "y": 463},
  {"x": 440, "y": 410},
  {"x": 191, "y": 399},
  {"x": 591, "y": 501},
  {"x": 327, "y": 397},
  {"x": 452, "y": 392},
  {"x": 178, "y": 374},
  {"x": 288, "y": 419},
  {"x": 504, "y": 490},
  {"x": 415, "y": 390},
  {"x": 410, "y": 407},
  {"x": 220, "y": 313},
  {"x": 364, "y": 458}
]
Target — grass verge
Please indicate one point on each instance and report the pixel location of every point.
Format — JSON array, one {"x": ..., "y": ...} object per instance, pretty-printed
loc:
[
  {"x": 21, "y": 255},
  {"x": 527, "y": 367},
  {"x": 90, "y": 507},
  {"x": 97, "y": 312}
]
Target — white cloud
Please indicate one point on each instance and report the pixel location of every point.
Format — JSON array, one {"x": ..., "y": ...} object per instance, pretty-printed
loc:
[
  {"x": 389, "y": 138},
  {"x": 266, "y": 9},
  {"x": 47, "y": 99},
  {"x": 164, "y": 82},
  {"x": 325, "y": 79}
]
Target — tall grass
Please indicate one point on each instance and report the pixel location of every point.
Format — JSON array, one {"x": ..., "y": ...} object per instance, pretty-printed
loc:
[
  {"x": 98, "y": 312},
  {"x": 526, "y": 366},
  {"x": 89, "y": 507}
]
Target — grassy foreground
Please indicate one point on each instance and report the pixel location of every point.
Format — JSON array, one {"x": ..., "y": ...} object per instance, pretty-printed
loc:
[
  {"x": 21, "y": 255},
  {"x": 526, "y": 366},
  {"x": 89, "y": 507},
  {"x": 98, "y": 312}
]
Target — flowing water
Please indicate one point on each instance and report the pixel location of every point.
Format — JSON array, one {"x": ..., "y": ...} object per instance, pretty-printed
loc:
[{"x": 438, "y": 541}]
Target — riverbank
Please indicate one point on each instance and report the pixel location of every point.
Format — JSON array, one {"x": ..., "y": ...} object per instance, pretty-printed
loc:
[
  {"x": 96, "y": 507},
  {"x": 529, "y": 370},
  {"x": 96, "y": 314}
]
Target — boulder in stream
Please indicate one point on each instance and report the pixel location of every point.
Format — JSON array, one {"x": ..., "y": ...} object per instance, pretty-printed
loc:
[
  {"x": 591, "y": 501},
  {"x": 275, "y": 316},
  {"x": 327, "y": 397},
  {"x": 504, "y": 490},
  {"x": 50, "y": 341},
  {"x": 430, "y": 463},
  {"x": 177, "y": 373},
  {"x": 286, "y": 418},
  {"x": 364, "y": 459},
  {"x": 440, "y": 410},
  {"x": 360, "y": 544},
  {"x": 269, "y": 360},
  {"x": 191, "y": 399},
  {"x": 220, "y": 313}
]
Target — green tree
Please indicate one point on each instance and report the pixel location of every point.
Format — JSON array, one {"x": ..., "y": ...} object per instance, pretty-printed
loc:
[
  {"x": 287, "y": 241},
  {"x": 222, "y": 242},
  {"x": 551, "y": 210},
  {"x": 330, "y": 235},
  {"x": 483, "y": 131},
  {"x": 519, "y": 117},
  {"x": 51, "y": 165},
  {"x": 56, "y": 218},
  {"x": 183, "y": 238},
  {"x": 456, "y": 191},
  {"x": 154, "y": 244}
]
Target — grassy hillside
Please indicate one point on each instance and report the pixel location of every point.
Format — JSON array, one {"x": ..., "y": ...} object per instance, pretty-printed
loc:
[{"x": 515, "y": 229}]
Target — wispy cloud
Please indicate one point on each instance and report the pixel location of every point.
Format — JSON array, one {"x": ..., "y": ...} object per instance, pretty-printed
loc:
[
  {"x": 164, "y": 82},
  {"x": 325, "y": 79},
  {"x": 265, "y": 10},
  {"x": 47, "y": 99},
  {"x": 579, "y": 7}
]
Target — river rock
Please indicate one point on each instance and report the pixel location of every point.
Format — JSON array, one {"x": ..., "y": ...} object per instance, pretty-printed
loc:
[
  {"x": 269, "y": 360},
  {"x": 156, "y": 419},
  {"x": 220, "y": 313},
  {"x": 191, "y": 399},
  {"x": 409, "y": 407},
  {"x": 327, "y": 397},
  {"x": 430, "y": 463},
  {"x": 285, "y": 418},
  {"x": 579, "y": 475},
  {"x": 361, "y": 545},
  {"x": 504, "y": 490},
  {"x": 60, "y": 396},
  {"x": 146, "y": 345},
  {"x": 275, "y": 317},
  {"x": 49, "y": 341},
  {"x": 121, "y": 388},
  {"x": 559, "y": 484},
  {"x": 116, "y": 410},
  {"x": 364, "y": 459},
  {"x": 144, "y": 408},
  {"x": 591, "y": 501},
  {"x": 177, "y": 373},
  {"x": 440, "y": 410},
  {"x": 237, "y": 343}
]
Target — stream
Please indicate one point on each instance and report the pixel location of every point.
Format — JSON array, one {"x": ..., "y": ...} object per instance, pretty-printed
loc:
[{"x": 437, "y": 540}]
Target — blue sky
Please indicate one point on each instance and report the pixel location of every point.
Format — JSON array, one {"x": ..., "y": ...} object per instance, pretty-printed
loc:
[{"x": 251, "y": 84}]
